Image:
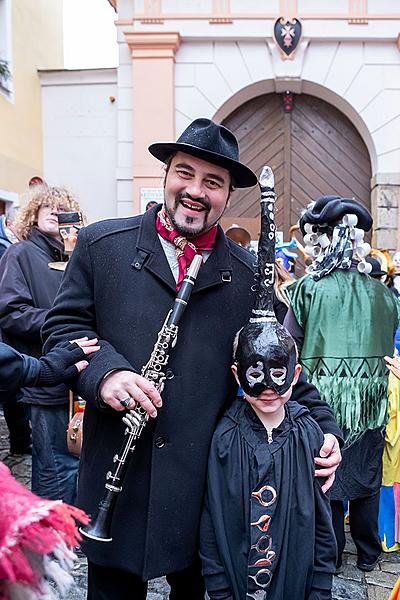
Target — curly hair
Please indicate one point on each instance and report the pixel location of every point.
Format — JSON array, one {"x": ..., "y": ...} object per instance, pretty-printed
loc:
[{"x": 57, "y": 197}]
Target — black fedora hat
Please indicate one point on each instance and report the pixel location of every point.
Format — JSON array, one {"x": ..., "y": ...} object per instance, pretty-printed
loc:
[
  {"x": 329, "y": 210},
  {"x": 211, "y": 142}
]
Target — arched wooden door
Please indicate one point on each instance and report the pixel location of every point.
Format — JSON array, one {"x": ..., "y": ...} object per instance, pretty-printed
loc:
[{"x": 313, "y": 150}]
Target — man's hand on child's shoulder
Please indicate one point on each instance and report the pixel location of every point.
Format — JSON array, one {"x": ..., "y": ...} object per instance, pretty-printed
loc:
[{"x": 329, "y": 459}]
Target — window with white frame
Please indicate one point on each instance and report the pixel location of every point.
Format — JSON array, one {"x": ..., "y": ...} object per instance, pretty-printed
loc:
[{"x": 5, "y": 47}]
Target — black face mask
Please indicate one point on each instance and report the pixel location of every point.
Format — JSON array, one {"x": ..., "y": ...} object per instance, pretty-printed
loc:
[{"x": 266, "y": 358}]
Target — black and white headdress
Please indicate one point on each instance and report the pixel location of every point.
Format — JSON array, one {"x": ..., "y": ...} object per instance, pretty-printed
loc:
[{"x": 333, "y": 229}]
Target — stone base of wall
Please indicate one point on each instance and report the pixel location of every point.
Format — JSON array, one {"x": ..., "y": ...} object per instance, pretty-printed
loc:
[{"x": 385, "y": 203}]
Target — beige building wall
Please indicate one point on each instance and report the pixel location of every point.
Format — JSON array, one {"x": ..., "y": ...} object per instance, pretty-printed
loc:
[
  {"x": 80, "y": 136},
  {"x": 36, "y": 42},
  {"x": 349, "y": 56}
]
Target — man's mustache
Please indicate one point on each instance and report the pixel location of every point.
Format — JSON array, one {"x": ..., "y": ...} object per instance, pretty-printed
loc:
[{"x": 185, "y": 196}]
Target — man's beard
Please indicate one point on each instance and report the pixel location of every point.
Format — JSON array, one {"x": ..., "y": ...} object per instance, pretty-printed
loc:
[{"x": 189, "y": 232}]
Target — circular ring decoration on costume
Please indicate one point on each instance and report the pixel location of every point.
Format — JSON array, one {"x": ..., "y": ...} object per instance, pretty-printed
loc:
[
  {"x": 257, "y": 595},
  {"x": 126, "y": 401},
  {"x": 260, "y": 575},
  {"x": 259, "y": 495},
  {"x": 259, "y": 546}
]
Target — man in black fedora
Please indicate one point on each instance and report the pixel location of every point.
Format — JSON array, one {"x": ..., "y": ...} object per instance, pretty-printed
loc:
[{"x": 120, "y": 283}]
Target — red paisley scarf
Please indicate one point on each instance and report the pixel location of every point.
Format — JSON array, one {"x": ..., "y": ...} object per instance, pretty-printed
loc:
[{"x": 185, "y": 250}]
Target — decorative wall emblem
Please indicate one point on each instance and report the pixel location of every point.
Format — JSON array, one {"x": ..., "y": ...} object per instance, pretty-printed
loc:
[
  {"x": 287, "y": 35},
  {"x": 287, "y": 99}
]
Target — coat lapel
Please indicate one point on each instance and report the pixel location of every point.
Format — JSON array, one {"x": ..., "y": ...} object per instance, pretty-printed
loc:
[
  {"x": 217, "y": 270},
  {"x": 150, "y": 253}
]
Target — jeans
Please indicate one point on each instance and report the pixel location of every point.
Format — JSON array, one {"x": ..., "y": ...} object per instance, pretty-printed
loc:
[{"x": 54, "y": 469}]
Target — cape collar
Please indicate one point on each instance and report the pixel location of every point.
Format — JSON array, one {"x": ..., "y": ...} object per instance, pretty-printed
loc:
[{"x": 244, "y": 416}]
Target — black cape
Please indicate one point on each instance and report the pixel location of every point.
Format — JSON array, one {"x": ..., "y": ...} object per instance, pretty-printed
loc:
[{"x": 241, "y": 461}]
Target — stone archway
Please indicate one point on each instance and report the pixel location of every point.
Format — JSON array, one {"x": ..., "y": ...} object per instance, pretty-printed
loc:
[{"x": 314, "y": 149}]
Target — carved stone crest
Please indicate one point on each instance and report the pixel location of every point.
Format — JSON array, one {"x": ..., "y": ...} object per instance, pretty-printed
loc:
[{"x": 287, "y": 35}]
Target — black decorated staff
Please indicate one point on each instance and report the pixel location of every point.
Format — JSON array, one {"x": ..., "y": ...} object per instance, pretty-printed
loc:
[{"x": 266, "y": 353}]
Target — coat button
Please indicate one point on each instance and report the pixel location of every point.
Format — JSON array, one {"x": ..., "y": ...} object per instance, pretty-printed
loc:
[
  {"x": 169, "y": 374},
  {"x": 159, "y": 442}
]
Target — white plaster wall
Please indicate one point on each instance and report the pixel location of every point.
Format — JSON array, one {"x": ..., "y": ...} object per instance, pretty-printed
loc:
[
  {"x": 220, "y": 66},
  {"x": 361, "y": 78},
  {"x": 80, "y": 136}
]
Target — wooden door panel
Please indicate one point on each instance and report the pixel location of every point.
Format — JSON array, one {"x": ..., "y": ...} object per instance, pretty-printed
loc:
[
  {"x": 313, "y": 150},
  {"x": 335, "y": 119},
  {"x": 341, "y": 151},
  {"x": 239, "y": 119},
  {"x": 342, "y": 144},
  {"x": 316, "y": 168},
  {"x": 302, "y": 141},
  {"x": 275, "y": 143},
  {"x": 308, "y": 188},
  {"x": 267, "y": 129}
]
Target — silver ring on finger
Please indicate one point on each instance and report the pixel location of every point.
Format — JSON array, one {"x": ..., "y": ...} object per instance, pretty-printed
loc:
[{"x": 126, "y": 401}]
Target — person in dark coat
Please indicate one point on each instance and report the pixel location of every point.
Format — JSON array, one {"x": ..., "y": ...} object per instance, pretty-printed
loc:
[
  {"x": 7, "y": 235},
  {"x": 266, "y": 529},
  {"x": 14, "y": 412},
  {"x": 28, "y": 285},
  {"x": 121, "y": 282}
]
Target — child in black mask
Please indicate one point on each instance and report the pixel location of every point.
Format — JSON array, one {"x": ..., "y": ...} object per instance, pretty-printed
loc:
[{"x": 266, "y": 531}]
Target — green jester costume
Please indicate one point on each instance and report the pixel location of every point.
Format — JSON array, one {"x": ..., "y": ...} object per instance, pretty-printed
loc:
[
  {"x": 349, "y": 322},
  {"x": 344, "y": 322}
]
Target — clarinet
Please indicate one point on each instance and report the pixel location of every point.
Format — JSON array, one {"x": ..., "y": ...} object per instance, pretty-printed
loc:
[{"x": 99, "y": 528}]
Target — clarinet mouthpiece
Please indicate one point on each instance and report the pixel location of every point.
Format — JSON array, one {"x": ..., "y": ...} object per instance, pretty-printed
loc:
[{"x": 194, "y": 268}]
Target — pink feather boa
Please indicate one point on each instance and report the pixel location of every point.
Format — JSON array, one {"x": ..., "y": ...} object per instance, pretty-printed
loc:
[{"x": 31, "y": 529}]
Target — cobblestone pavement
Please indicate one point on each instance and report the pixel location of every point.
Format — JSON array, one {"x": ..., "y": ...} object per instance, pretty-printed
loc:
[{"x": 352, "y": 584}]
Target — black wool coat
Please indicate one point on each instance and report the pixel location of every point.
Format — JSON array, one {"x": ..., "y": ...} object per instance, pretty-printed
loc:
[{"x": 119, "y": 287}]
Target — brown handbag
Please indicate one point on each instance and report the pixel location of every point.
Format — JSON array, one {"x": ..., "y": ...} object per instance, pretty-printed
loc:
[{"x": 75, "y": 425}]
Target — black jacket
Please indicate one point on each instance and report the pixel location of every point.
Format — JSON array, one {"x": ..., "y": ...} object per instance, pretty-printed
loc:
[
  {"x": 299, "y": 535},
  {"x": 119, "y": 287},
  {"x": 4, "y": 241},
  {"x": 27, "y": 290},
  {"x": 16, "y": 370}
]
